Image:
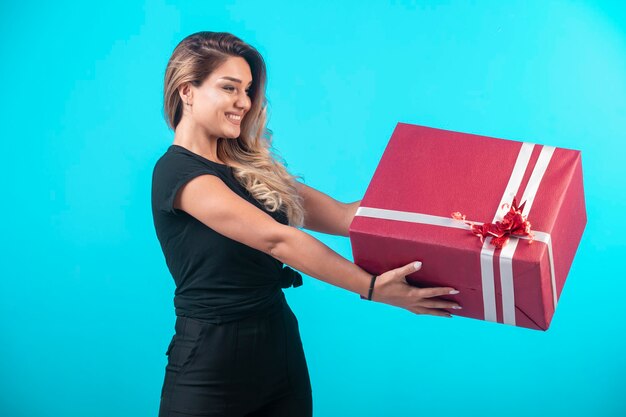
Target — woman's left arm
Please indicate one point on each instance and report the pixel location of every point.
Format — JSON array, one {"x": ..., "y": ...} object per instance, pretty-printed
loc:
[{"x": 325, "y": 214}]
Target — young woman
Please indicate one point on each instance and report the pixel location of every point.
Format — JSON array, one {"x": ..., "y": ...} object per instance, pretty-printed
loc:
[{"x": 228, "y": 216}]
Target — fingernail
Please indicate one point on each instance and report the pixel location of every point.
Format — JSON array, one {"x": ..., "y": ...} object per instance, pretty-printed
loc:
[
  {"x": 454, "y": 292},
  {"x": 457, "y": 307},
  {"x": 417, "y": 265}
]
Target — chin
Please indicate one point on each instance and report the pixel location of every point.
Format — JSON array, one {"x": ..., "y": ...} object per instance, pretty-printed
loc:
[{"x": 232, "y": 134}]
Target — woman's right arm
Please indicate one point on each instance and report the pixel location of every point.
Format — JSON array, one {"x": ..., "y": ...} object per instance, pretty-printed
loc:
[{"x": 210, "y": 201}]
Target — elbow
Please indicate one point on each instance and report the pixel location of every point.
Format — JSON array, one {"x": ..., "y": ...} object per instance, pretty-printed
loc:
[{"x": 281, "y": 242}]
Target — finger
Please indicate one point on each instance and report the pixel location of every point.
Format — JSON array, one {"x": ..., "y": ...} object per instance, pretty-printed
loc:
[
  {"x": 431, "y": 303},
  {"x": 436, "y": 291},
  {"x": 432, "y": 312},
  {"x": 409, "y": 269}
]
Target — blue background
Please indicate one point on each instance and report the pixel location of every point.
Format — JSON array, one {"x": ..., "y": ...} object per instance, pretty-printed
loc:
[{"x": 86, "y": 308}]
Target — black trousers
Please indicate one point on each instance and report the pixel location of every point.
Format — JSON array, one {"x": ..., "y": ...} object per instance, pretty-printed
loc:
[{"x": 251, "y": 367}]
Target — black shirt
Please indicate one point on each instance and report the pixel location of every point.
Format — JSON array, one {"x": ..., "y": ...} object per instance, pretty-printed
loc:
[{"x": 217, "y": 278}]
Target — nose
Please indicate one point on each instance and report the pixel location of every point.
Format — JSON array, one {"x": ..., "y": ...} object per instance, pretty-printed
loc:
[{"x": 243, "y": 102}]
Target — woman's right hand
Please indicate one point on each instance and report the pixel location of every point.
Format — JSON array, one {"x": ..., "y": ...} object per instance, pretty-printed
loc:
[{"x": 392, "y": 288}]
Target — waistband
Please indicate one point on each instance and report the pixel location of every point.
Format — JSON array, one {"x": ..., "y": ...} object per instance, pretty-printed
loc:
[{"x": 214, "y": 315}]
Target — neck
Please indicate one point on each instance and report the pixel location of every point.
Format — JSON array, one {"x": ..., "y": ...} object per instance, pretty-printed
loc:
[{"x": 196, "y": 140}]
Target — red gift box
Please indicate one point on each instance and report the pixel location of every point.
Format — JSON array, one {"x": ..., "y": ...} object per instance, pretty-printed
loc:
[{"x": 426, "y": 174}]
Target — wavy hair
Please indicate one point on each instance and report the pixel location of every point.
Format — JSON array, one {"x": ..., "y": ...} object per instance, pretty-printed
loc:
[{"x": 263, "y": 172}]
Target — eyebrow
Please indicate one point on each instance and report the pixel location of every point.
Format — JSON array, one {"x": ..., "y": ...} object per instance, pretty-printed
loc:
[{"x": 234, "y": 79}]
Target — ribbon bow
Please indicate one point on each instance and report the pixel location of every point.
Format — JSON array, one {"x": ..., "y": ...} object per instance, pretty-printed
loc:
[
  {"x": 514, "y": 223},
  {"x": 289, "y": 277}
]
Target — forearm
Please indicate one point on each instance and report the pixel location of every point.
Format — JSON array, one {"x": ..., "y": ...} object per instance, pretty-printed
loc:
[
  {"x": 312, "y": 257},
  {"x": 349, "y": 212},
  {"x": 325, "y": 214}
]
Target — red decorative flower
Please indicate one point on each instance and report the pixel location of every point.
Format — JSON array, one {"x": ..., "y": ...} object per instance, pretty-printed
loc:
[{"x": 513, "y": 224}]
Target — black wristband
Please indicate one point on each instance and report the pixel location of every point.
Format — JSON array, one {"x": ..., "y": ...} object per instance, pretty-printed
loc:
[{"x": 369, "y": 294}]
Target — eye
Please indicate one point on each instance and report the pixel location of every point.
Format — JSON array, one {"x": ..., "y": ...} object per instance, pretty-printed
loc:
[{"x": 231, "y": 88}]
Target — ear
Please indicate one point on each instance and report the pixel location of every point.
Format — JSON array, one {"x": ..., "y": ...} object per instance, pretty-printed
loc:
[{"x": 185, "y": 92}]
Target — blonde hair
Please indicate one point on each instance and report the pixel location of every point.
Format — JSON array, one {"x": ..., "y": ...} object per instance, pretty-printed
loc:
[{"x": 260, "y": 170}]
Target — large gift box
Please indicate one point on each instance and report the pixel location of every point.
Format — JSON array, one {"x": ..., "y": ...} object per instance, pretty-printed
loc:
[{"x": 499, "y": 220}]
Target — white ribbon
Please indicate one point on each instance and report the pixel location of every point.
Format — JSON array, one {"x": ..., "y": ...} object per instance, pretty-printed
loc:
[
  {"x": 487, "y": 252},
  {"x": 508, "y": 250}
]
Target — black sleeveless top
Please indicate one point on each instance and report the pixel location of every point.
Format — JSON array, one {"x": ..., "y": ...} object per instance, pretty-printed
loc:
[{"x": 217, "y": 278}]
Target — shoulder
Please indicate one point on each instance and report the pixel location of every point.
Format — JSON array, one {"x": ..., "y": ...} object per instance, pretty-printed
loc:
[
  {"x": 172, "y": 158},
  {"x": 171, "y": 172},
  {"x": 179, "y": 164}
]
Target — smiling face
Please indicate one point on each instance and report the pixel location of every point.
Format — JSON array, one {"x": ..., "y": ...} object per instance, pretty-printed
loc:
[{"x": 220, "y": 103}]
